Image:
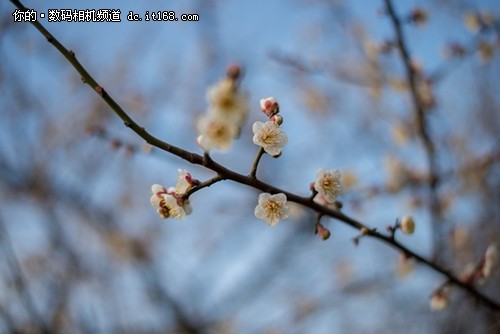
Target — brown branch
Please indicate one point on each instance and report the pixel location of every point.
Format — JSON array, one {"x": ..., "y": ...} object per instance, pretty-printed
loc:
[
  {"x": 228, "y": 174},
  {"x": 204, "y": 184},
  {"x": 255, "y": 164}
]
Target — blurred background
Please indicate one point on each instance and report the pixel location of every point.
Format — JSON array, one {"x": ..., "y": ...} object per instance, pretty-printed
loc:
[{"x": 83, "y": 251}]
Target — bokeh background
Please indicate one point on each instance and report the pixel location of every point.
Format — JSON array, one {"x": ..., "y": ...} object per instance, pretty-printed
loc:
[{"x": 83, "y": 251}]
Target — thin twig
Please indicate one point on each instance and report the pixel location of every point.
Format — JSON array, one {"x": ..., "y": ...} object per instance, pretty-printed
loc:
[
  {"x": 255, "y": 164},
  {"x": 204, "y": 184},
  {"x": 228, "y": 174}
]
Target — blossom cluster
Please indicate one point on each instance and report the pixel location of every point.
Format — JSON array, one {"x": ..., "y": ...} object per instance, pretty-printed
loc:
[
  {"x": 171, "y": 202},
  {"x": 222, "y": 122},
  {"x": 271, "y": 138}
]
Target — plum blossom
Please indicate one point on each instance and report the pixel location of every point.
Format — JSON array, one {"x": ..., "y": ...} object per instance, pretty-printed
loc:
[
  {"x": 490, "y": 259},
  {"x": 322, "y": 201},
  {"x": 328, "y": 184},
  {"x": 227, "y": 111},
  {"x": 269, "y": 136},
  {"x": 216, "y": 133},
  {"x": 227, "y": 102},
  {"x": 166, "y": 204},
  {"x": 184, "y": 182},
  {"x": 171, "y": 202},
  {"x": 272, "y": 208}
]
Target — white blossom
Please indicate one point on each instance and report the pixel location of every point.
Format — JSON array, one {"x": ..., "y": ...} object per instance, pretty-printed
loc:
[
  {"x": 269, "y": 136},
  {"x": 322, "y": 201},
  {"x": 328, "y": 184},
  {"x": 272, "y": 208},
  {"x": 397, "y": 174},
  {"x": 167, "y": 204},
  {"x": 158, "y": 188},
  {"x": 183, "y": 182},
  {"x": 490, "y": 259},
  {"x": 186, "y": 206},
  {"x": 407, "y": 225},
  {"x": 225, "y": 116},
  {"x": 227, "y": 102},
  {"x": 216, "y": 133}
]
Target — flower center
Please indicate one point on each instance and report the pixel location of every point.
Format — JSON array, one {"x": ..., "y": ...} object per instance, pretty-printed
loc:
[
  {"x": 217, "y": 131},
  {"x": 226, "y": 102},
  {"x": 273, "y": 208},
  {"x": 268, "y": 137},
  {"x": 329, "y": 183}
]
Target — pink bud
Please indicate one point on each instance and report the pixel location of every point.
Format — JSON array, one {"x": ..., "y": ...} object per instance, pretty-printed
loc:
[
  {"x": 234, "y": 72},
  {"x": 198, "y": 140},
  {"x": 269, "y": 106}
]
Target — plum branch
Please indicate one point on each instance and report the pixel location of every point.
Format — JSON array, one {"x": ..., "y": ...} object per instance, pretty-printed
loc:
[{"x": 224, "y": 173}]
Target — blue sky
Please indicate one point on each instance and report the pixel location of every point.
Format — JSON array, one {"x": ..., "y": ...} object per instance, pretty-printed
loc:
[{"x": 159, "y": 71}]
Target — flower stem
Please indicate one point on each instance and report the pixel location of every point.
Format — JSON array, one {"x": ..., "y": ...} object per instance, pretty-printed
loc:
[
  {"x": 314, "y": 193},
  {"x": 204, "y": 184},
  {"x": 256, "y": 162}
]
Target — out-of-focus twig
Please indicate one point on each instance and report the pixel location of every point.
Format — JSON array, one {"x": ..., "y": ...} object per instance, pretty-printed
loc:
[
  {"x": 20, "y": 281},
  {"x": 422, "y": 127}
]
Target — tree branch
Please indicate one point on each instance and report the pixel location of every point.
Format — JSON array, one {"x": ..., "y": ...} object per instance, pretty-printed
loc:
[
  {"x": 422, "y": 125},
  {"x": 250, "y": 181}
]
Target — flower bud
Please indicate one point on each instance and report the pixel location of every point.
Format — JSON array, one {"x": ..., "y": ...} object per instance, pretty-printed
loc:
[
  {"x": 269, "y": 106},
  {"x": 234, "y": 72},
  {"x": 278, "y": 119},
  {"x": 198, "y": 140},
  {"x": 418, "y": 16},
  {"x": 277, "y": 155},
  {"x": 439, "y": 301},
  {"x": 407, "y": 225},
  {"x": 405, "y": 264},
  {"x": 323, "y": 232}
]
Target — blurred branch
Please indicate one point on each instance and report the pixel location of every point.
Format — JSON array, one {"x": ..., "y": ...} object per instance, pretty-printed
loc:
[
  {"x": 185, "y": 323},
  {"x": 417, "y": 180},
  {"x": 228, "y": 174},
  {"x": 20, "y": 281},
  {"x": 422, "y": 126}
]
